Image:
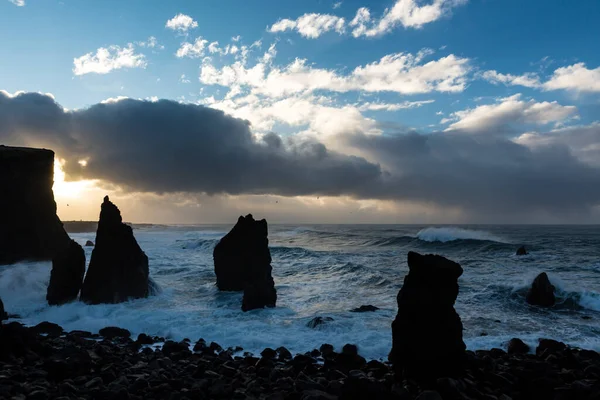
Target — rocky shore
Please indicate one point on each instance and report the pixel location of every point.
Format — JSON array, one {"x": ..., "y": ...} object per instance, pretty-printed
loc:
[{"x": 43, "y": 362}]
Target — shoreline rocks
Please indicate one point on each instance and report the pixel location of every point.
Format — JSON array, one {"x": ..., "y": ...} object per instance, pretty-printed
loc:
[
  {"x": 541, "y": 292},
  {"x": 46, "y": 362},
  {"x": 66, "y": 277},
  {"x": 118, "y": 268},
  {"x": 30, "y": 228},
  {"x": 243, "y": 262},
  {"x": 427, "y": 332}
]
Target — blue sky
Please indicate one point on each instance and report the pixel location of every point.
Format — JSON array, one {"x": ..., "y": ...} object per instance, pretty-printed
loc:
[{"x": 524, "y": 71}]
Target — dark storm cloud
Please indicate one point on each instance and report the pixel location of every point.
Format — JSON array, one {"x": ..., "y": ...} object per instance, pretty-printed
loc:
[
  {"x": 483, "y": 173},
  {"x": 166, "y": 146}
]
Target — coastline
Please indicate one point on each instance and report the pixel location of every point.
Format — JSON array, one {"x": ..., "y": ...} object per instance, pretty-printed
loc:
[{"x": 44, "y": 362}]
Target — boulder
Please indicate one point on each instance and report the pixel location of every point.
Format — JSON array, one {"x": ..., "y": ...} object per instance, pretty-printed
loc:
[
  {"x": 66, "y": 278},
  {"x": 243, "y": 262},
  {"x": 522, "y": 251},
  {"x": 118, "y": 268},
  {"x": 30, "y": 228},
  {"x": 89, "y": 243},
  {"x": 517, "y": 346},
  {"x": 368, "y": 308},
  {"x": 427, "y": 332},
  {"x": 317, "y": 321},
  {"x": 541, "y": 292}
]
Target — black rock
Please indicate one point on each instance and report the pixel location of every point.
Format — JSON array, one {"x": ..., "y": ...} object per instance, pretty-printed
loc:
[
  {"x": 118, "y": 268},
  {"x": 66, "y": 277},
  {"x": 316, "y": 321},
  {"x": 3, "y": 314},
  {"x": 89, "y": 243},
  {"x": 48, "y": 328},
  {"x": 541, "y": 292},
  {"x": 171, "y": 347},
  {"x": 517, "y": 346},
  {"x": 283, "y": 353},
  {"x": 427, "y": 332},
  {"x": 111, "y": 332},
  {"x": 549, "y": 346},
  {"x": 29, "y": 227},
  {"x": 521, "y": 251},
  {"x": 145, "y": 339},
  {"x": 243, "y": 262},
  {"x": 365, "y": 309}
]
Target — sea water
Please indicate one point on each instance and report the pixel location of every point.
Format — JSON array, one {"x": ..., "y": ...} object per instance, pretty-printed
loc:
[{"x": 327, "y": 270}]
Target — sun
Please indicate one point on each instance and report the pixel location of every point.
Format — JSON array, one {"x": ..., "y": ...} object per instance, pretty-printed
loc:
[{"x": 64, "y": 188}]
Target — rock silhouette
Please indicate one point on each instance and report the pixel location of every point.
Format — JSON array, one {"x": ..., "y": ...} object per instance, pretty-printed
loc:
[
  {"x": 118, "y": 268},
  {"x": 89, "y": 243},
  {"x": 368, "y": 308},
  {"x": 3, "y": 314},
  {"x": 66, "y": 277},
  {"x": 317, "y": 321},
  {"x": 427, "y": 332},
  {"x": 243, "y": 262},
  {"x": 30, "y": 228},
  {"x": 522, "y": 251},
  {"x": 541, "y": 292}
]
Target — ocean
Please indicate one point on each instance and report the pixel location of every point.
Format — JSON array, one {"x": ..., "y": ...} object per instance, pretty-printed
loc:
[{"x": 327, "y": 270}]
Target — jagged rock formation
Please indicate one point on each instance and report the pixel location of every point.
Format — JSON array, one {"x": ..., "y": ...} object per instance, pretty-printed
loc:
[
  {"x": 118, "y": 268},
  {"x": 30, "y": 228},
  {"x": 66, "y": 278},
  {"x": 521, "y": 251},
  {"x": 3, "y": 314},
  {"x": 541, "y": 292},
  {"x": 243, "y": 262},
  {"x": 427, "y": 332},
  {"x": 89, "y": 243}
]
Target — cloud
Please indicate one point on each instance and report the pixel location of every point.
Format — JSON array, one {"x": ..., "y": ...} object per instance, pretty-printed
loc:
[
  {"x": 529, "y": 80},
  {"x": 166, "y": 146},
  {"x": 108, "y": 59},
  {"x": 310, "y": 25},
  {"x": 184, "y": 79},
  {"x": 18, "y": 3},
  {"x": 181, "y": 23},
  {"x": 407, "y": 13},
  {"x": 173, "y": 148},
  {"x": 394, "y": 106},
  {"x": 576, "y": 78},
  {"x": 337, "y": 5},
  {"x": 192, "y": 50},
  {"x": 151, "y": 43},
  {"x": 500, "y": 116},
  {"x": 402, "y": 73}
]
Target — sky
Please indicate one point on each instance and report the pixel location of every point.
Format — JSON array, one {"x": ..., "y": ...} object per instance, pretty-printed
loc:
[{"x": 315, "y": 111}]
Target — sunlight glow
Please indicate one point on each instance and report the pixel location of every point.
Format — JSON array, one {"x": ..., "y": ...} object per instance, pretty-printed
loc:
[{"x": 64, "y": 188}]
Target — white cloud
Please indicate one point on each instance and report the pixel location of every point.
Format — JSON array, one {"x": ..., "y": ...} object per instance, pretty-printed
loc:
[
  {"x": 310, "y": 25},
  {"x": 337, "y": 5},
  {"x": 507, "y": 111},
  {"x": 401, "y": 73},
  {"x": 184, "y": 79},
  {"x": 111, "y": 100},
  {"x": 181, "y": 23},
  {"x": 236, "y": 38},
  {"x": 394, "y": 106},
  {"x": 151, "y": 43},
  {"x": 576, "y": 78},
  {"x": 407, "y": 13},
  {"x": 529, "y": 80},
  {"x": 108, "y": 59},
  {"x": 18, "y": 3},
  {"x": 192, "y": 50}
]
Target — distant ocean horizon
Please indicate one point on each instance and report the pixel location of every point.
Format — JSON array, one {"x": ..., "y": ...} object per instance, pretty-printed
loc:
[{"x": 327, "y": 270}]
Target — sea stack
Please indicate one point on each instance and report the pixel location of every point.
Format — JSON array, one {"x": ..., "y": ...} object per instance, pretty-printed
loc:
[
  {"x": 30, "y": 228},
  {"x": 66, "y": 278},
  {"x": 118, "y": 268},
  {"x": 427, "y": 332},
  {"x": 521, "y": 251},
  {"x": 541, "y": 292},
  {"x": 243, "y": 262}
]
